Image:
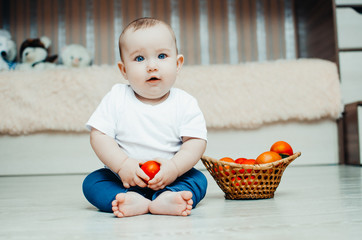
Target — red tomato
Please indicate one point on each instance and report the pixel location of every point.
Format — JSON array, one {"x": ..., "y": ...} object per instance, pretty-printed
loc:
[
  {"x": 268, "y": 157},
  {"x": 282, "y": 147},
  {"x": 248, "y": 161},
  {"x": 151, "y": 168},
  {"x": 239, "y": 160}
]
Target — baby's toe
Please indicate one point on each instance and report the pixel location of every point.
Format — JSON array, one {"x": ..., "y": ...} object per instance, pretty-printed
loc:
[
  {"x": 118, "y": 214},
  {"x": 115, "y": 208}
]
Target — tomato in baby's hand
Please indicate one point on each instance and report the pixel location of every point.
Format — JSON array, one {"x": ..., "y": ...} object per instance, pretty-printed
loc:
[{"x": 151, "y": 168}]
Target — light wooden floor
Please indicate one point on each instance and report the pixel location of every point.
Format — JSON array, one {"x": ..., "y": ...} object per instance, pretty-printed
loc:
[{"x": 314, "y": 202}]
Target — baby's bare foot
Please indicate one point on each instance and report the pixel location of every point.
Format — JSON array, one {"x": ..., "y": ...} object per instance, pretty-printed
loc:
[
  {"x": 172, "y": 203},
  {"x": 130, "y": 204}
]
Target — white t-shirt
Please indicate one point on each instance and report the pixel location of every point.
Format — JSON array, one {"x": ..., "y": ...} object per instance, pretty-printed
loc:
[{"x": 146, "y": 131}]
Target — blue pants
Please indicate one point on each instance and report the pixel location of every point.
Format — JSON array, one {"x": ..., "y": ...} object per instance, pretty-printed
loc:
[{"x": 101, "y": 187}]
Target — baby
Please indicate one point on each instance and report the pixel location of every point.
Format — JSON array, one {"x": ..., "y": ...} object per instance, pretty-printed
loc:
[{"x": 147, "y": 120}]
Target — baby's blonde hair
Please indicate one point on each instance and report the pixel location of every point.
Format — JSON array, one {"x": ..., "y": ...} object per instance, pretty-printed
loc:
[{"x": 142, "y": 23}]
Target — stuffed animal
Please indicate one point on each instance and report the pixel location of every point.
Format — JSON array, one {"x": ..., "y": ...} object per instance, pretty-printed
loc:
[
  {"x": 76, "y": 55},
  {"x": 34, "y": 54},
  {"x": 7, "y": 51}
]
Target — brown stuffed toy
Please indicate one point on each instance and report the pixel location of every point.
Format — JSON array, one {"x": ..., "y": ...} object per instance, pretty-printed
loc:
[{"x": 34, "y": 54}]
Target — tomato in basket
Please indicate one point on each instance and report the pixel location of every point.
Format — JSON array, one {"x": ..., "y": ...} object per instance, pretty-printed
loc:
[
  {"x": 282, "y": 148},
  {"x": 239, "y": 160},
  {"x": 268, "y": 157},
  {"x": 227, "y": 159},
  {"x": 248, "y": 161}
]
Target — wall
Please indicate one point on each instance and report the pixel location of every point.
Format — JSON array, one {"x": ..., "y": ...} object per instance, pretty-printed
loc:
[
  {"x": 316, "y": 29},
  {"x": 208, "y": 31}
]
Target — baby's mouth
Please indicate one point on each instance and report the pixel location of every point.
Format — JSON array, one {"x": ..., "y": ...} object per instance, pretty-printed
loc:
[{"x": 153, "y": 79}]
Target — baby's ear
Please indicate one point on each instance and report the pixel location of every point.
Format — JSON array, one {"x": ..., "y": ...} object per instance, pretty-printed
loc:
[
  {"x": 180, "y": 62},
  {"x": 122, "y": 68}
]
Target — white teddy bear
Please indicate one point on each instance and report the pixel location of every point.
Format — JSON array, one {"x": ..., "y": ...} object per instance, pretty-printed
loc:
[
  {"x": 7, "y": 51},
  {"x": 76, "y": 55}
]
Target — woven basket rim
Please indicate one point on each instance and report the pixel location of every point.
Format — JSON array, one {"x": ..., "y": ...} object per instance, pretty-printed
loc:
[{"x": 255, "y": 166}]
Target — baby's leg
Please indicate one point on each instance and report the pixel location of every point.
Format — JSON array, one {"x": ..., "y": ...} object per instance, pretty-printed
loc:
[
  {"x": 181, "y": 196},
  {"x": 101, "y": 187},
  {"x": 172, "y": 203},
  {"x": 130, "y": 204}
]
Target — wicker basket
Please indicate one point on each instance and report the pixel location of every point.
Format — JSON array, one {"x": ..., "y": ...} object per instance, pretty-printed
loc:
[{"x": 241, "y": 181}]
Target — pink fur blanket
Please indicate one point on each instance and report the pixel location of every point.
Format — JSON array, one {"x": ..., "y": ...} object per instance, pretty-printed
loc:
[{"x": 240, "y": 96}]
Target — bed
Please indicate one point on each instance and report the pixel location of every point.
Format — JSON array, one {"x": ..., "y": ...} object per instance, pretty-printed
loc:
[{"x": 247, "y": 107}]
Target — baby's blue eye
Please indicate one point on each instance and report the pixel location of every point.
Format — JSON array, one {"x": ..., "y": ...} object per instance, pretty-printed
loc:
[
  {"x": 162, "y": 56},
  {"x": 139, "y": 58}
]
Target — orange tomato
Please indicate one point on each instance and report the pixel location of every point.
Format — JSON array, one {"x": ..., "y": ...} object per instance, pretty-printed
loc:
[
  {"x": 282, "y": 147},
  {"x": 268, "y": 157},
  {"x": 227, "y": 159}
]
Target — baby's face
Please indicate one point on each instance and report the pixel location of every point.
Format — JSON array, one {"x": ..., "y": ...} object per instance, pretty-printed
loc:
[{"x": 150, "y": 62}]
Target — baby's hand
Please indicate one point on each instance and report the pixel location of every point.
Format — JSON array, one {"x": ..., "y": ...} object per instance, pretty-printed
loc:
[
  {"x": 131, "y": 174},
  {"x": 167, "y": 174}
]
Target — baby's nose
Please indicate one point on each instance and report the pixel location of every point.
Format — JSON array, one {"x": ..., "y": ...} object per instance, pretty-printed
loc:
[{"x": 152, "y": 65}]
